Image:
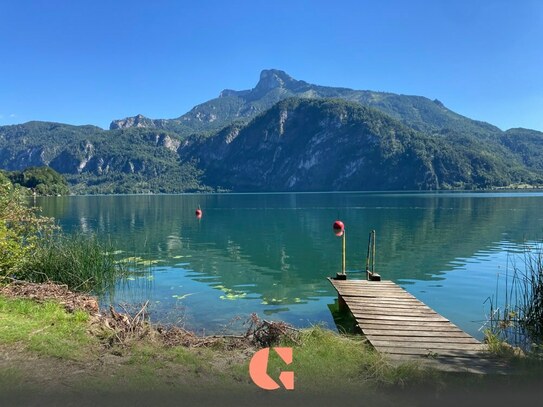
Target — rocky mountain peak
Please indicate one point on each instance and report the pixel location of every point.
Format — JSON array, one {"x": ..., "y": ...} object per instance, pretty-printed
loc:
[
  {"x": 274, "y": 78},
  {"x": 270, "y": 79},
  {"x": 136, "y": 121}
]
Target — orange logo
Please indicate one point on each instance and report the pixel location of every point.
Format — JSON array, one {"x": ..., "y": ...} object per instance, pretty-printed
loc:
[{"x": 258, "y": 369}]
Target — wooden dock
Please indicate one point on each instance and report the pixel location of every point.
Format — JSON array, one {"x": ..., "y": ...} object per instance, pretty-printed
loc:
[{"x": 399, "y": 325}]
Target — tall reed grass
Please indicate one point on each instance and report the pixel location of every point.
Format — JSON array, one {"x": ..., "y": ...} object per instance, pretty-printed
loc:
[
  {"x": 82, "y": 262},
  {"x": 516, "y": 316}
]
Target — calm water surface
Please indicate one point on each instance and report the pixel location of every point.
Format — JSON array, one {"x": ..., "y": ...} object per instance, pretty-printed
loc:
[{"x": 271, "y": 253}]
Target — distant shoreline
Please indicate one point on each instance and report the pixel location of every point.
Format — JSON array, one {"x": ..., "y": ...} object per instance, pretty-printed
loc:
[{"x": 522, "y": 189}]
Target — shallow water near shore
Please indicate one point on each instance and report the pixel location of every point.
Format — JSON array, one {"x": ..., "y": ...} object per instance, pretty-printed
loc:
[{"x": 271, "y": 253}]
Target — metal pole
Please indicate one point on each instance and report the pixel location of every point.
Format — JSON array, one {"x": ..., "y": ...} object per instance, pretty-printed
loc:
[
  {"x": 373, "y": 254},
  {"x": 368, "y": 258}
]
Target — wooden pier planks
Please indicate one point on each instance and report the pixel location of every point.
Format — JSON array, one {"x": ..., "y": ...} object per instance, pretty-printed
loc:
[{"x": 406, "y": 329}]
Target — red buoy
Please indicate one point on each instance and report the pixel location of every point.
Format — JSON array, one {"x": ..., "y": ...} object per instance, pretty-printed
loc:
[
  {"x": 339, "y": 227},
  {"x": 199, "y": 213}
]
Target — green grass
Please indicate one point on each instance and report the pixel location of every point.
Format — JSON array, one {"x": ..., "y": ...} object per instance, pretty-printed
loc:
[
  {"x": 49, "y": 348},
  {"x": 81, "y": 262},
  {"x": 320, "y": 357},
  {"x": 323, "y": 357},
  {"x": 46, "y": 329}
]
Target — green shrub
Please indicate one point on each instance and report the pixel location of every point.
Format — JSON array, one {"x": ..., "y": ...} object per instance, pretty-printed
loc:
[{"x": 20, "y": 228}]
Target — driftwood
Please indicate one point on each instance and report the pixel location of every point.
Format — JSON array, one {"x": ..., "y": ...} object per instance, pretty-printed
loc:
[{"x": 264, "y": 333}]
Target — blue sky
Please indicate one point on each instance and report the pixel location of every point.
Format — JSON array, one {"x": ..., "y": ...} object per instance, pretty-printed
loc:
[{"x": 89, "y": 62}]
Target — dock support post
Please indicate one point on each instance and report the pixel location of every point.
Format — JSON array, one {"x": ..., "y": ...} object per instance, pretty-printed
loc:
[{"x": 342, "y": 305}]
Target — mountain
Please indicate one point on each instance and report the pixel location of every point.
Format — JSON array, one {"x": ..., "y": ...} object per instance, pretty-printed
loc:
[
  {"x": 93, "y": 160},
  {"x": 283, "y": 135},
  {"x": 274, "y": 85},
  {"x": 330, "y": 144},
  {"x": 526, "y": 145}
]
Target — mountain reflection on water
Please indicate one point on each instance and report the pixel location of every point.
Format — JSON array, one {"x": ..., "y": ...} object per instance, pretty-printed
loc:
[{"x": 271, "y": 253}]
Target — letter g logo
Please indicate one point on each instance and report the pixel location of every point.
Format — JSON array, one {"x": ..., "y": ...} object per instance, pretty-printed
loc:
[{"x": 258, "y": 369}]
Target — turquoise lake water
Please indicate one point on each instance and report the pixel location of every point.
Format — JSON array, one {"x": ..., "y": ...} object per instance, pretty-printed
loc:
[{"x": 271, "y": 253}]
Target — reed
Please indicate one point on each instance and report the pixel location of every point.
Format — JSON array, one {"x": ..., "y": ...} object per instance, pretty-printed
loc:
[
  {"x": 82, "y": 262},
  {"x": 516, "y": 316}
]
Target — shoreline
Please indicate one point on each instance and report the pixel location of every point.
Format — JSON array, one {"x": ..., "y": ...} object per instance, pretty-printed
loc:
[
  {"x": 55, "y": 343},
  {"x": 528, "y": 189}
]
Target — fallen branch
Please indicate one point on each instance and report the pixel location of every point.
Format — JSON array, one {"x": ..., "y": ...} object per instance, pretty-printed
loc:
[{"x": 267, "y": 333}]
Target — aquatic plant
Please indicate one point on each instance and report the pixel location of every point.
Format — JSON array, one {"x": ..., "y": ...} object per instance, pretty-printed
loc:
[
  {"x": 519, "y": 321},
  {"x": 82, "y": 262}
]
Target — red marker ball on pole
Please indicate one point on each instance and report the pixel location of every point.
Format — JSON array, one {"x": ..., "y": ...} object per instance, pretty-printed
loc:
[
  {"x": 198, "y": 213},
  {"x": 338, "y": 227}
]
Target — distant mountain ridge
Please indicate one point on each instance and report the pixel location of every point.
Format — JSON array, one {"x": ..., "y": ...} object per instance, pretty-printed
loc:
[
  {"x": 283, "y": 135},
  {"x": 274, "y": 85}
]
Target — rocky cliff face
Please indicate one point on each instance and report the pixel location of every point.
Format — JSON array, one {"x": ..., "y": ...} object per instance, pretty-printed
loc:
[
  {"x": 142, "y": 122},
  {"x": 138, "y": 121},
  {"x": 328, "y": 145},
  {"x": 308, "y": 146},
  {"x": 94, "y": 160}
]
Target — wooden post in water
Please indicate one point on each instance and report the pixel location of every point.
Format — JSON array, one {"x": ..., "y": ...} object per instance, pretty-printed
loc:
[
  {"x": 343, "y": 274},
  {"x": 342, "y": 305}
]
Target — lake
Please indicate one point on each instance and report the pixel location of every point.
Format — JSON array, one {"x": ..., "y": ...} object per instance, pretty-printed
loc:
[{"x": 271, "y": 253}]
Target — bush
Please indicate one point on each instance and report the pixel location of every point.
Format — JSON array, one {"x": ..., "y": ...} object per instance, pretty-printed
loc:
[{"x": 20, "y": 227}]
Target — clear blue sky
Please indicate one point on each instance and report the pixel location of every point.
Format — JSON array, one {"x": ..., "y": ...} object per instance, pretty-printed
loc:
[{"x": 92, "y": 61}]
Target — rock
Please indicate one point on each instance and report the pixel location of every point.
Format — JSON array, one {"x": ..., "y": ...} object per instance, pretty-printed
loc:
[{"x": 139, "y": 121}]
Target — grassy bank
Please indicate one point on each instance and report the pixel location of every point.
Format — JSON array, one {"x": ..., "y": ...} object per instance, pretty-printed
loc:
[
  {"x": 47, "y": 330},
  {"x": 37, "y": 338},
  {"x": 46, "y": 350}
]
